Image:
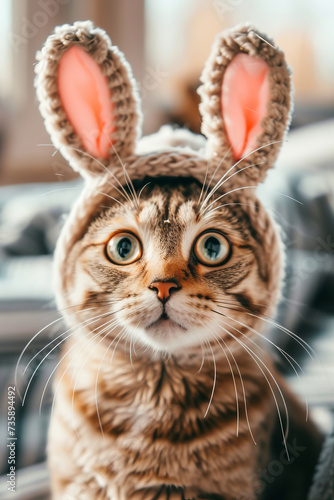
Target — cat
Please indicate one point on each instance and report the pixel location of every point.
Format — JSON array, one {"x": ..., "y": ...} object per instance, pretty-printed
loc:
[{"x": 166, "y": 271}]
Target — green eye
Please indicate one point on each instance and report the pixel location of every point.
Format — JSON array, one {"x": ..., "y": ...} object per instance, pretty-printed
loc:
[
  {"x": 123, "y": 248},
  {"x": 212, "y": 249}
]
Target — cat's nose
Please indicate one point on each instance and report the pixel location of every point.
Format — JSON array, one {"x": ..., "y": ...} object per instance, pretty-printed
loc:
[{"x": 164, "y": 289}]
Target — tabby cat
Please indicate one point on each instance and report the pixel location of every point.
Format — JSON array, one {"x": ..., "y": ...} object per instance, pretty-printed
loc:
[{"x": 167, "y": 270}]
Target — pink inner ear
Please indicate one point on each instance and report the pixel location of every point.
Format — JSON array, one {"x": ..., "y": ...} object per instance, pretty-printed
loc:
[
  {"x": 85, "y": 96},
  {"x": 245, "y": 95}
]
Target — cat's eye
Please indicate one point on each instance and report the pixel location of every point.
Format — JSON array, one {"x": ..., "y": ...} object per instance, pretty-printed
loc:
[
  {"x": 211, "y": 248},
  {"x": 123, "y": 248}
]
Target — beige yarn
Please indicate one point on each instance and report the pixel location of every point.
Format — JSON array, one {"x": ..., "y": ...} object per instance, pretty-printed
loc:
[
  {"x": 120, "y": 82},
  {"x": 128, "y": 116},
  {"x": 228, "y": 44},
  {"x": 169, "y": 153}
]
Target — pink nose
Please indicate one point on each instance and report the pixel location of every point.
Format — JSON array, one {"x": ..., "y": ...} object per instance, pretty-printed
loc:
[{"x": 163, "y": 288}]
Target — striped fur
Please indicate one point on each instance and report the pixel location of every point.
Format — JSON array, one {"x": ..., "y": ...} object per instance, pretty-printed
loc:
[
  {"x": 174, "y": 401},
  {"x": 128, "y": 421}
]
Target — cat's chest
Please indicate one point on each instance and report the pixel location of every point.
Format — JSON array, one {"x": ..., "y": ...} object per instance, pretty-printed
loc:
[
  {"x": 158, "y": 417},
  {"x": 154, "y": 400},
  {"x": 141, "y": 400}
]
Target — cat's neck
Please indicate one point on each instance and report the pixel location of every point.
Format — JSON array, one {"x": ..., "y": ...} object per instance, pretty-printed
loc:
[
  {"x": 96, "y": 363},
  {"x": 145, "y": 394}
]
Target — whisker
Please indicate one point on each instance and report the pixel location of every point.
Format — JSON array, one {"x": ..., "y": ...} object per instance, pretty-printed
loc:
[
  {"x": 272, "y": 210},
  {"x": 30, "y": 342},
  {"x": 142, "y": 189},
  {"x": 231, "y": 204},
  {"x": 266, "y": 41},
  {"x": 281, "y": 350},
  {"x": 207, "y": 208},
  {"x": 290, "y": 198},
  {"x": 121, "y": 191},
  {"x": 214, "y": 381},
  {"x": 214, "y": 189},
  {"x": 233, "y": 302},
  {"x": 249, "y": 338},
  {"x": 229, "y": 307},
  {"x": 127, "y": 180},
  {"x": 109, "y": 328},
  {"x": 114, "y": 350},
  {"x": 213, "y": 176},
  {"x": 85, "y": 153},
  {"x": 130, "y": 352},
  {"x": 202, "y": 363},
  {"x": 204, "y": 182},
  {"x": 243, "y": 391},
  {"x": 301, "y": 342},
  {"x": 131, "y": 187},
  {"x": 97, "y": 376},
  {"x": 56, "y": 191},
  {"x": 102, "y": 329},
  {"x": 62, "y": 376},
  {"x": 83, "y": 323},
  {"x": 61, "y": 360},
  {"x": 286, "y": 355},
  {"x": 227, "y": 179},
  {"x": 293, "y": 335},
  {"x": 26, "y": 347},
  {"x": 252, "y": 354},
  {"x": 46, "y": 356},
  {"x": 234, "y": 382},
  {"x": 101, "y": 302},
  {"x": 114, "y": 199},
  {"x": 241, "y": 170}
]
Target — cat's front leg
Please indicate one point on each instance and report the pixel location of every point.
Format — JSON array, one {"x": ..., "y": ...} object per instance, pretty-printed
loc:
[
  {"x": 163, "y": 492},
  {"x": 169, "y": 492},
  {"x": 86, "y": 490}
]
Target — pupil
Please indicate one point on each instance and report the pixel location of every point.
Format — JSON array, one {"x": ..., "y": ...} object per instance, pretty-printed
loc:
[
  {"x": 212, "y": 247},
  {"x": 124, "y": 247}
]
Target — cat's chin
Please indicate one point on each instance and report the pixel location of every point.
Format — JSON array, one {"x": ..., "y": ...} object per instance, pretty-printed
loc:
[
  {"x": 165, "y": 327},
  {"x": 164, "y": 333},
  {"x": 169, "y": 334}
]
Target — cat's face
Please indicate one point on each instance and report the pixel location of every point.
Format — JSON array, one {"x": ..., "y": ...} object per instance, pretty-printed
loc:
[
  {"x": 172, "y": 276},
  {"x": 166, "y": 274}
]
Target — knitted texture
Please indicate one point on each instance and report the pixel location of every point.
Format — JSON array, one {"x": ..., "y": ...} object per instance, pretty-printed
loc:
[
  {"x": 244, "y": 39},
  {"x": 128, "y": 117},
  {"x": 120, "y": 82},
  {"x": 168, "y": 153},
  {"x": 162, "y": 401}
]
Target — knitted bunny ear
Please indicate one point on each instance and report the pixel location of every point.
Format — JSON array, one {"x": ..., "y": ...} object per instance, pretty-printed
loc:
[
  {"x": 246, "y": 101},
  {"x": 87, "y": 96}
]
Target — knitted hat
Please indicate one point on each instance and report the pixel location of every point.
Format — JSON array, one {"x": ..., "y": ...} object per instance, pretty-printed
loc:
[{"x": 90, "y": 104}]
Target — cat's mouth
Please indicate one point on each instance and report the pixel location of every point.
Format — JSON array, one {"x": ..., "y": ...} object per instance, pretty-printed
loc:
[{"x": 165, "y": 322}]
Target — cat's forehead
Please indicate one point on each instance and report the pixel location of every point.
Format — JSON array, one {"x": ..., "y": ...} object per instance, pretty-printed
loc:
[
  {"x": 159, "y": 203},
  {"x": 168, "y": 206},
  {"x": 168, "y": 210},
  {"x": 164, "y": 211}
]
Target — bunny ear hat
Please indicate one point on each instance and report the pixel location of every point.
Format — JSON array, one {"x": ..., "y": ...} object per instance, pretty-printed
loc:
[{"x": 91, "y": 107}]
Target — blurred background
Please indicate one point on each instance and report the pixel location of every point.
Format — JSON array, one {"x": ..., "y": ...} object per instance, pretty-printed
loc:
[{"x": 167, "y": 43}]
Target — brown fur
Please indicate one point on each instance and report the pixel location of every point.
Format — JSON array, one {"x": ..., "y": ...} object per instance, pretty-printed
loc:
[
  {"x": 175, "y": 400},
  {"x": 149, "y": 433}
]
